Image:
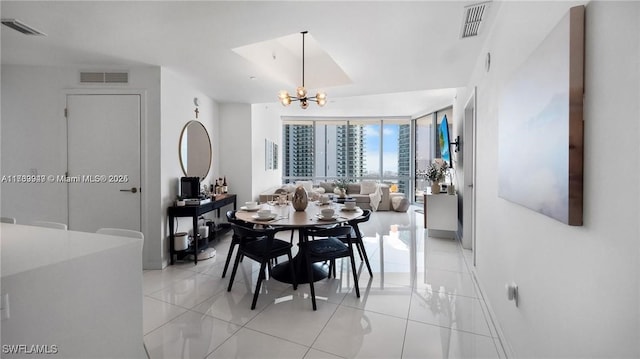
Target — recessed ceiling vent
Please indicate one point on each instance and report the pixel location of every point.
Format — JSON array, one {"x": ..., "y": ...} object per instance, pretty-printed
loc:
[
  {"x": 473, "y": 15},
  {"x": 104, "y": 77},
  {"x": 22, "y": 27}
]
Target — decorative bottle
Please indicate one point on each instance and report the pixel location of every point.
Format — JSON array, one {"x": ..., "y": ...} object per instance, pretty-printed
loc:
[{"x": 225, "y": 189}]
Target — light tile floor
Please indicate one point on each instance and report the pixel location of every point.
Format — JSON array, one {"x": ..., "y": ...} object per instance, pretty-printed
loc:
[{"x": 422, "y": 302}]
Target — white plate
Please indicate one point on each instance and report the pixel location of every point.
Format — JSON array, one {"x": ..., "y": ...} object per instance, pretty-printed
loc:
[
  {"x": 271, "y": 216},
  {"x": 244, "y": 208},
  {"x": 350, "y": 209},
  {"x": 321, "y": 218}
]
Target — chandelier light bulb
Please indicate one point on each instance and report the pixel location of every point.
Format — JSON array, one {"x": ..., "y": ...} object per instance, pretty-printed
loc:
[
  {"x": 321, "y": 98},
  {"x": 284, "y": 97},
  {"x": 304, "y": 104},
  {"x": 301, "y": 92}
]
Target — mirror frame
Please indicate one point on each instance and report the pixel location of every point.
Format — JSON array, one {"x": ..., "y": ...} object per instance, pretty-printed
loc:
[{"x": 182, "y": 138}]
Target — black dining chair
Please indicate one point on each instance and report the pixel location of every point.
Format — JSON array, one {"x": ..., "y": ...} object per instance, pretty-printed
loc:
[
  {"x": 327, "y": 247},
  {"x": 235, "y": 240},
  {"x": 261, "y": 246},
  {"x": 356, "y": 238}
]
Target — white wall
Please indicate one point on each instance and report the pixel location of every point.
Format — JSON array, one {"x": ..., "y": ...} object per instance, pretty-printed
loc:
[
  {"x": 178, "y": 109},
  {"x": 578, "y": 285},
  {"x": 266, "y": 123},
  {"x": 236, "y": 149},
  {"x": 34, "y": 138}
]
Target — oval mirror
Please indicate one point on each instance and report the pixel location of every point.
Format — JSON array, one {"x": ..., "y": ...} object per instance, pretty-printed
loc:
[{"x": 195, "y": 150}]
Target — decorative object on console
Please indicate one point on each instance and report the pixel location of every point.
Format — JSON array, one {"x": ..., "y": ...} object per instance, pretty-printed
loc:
[
  {"x": 301, "y": 92},
  {"x": 436, "y": 173},
  {"x": 189, "y": 187},
  {"x": 300, "y": 200}
]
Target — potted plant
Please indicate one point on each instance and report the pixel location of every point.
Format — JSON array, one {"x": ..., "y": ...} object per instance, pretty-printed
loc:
[
  {"x": 341, "y": 187},
  {"x": 436, "y": 173}
]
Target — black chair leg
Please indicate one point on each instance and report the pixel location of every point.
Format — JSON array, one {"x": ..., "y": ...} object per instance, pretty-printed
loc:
[
  {"x": 359, "y": 250},
  {"x": 311, "y": 288},
  {"x": 257, "y": 291},
  {"x": 226, "y": 264},
  {"x": 366, "y": 258},
  {"x": 355, "y": 274},
  {"x": 233, "y": 272}
]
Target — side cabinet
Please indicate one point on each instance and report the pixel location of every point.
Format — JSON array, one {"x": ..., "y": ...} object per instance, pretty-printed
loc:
[{"x": 441, "y": 214}]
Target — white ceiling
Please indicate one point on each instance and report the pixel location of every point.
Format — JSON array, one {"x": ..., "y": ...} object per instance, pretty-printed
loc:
[{"x": 383, "y": 47}]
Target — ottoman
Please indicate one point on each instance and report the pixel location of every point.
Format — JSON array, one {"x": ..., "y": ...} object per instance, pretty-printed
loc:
[{"x": 399, "y": 203}]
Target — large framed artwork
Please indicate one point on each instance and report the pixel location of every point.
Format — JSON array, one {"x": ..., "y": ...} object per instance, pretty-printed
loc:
[{"x": 540, "y": 128}]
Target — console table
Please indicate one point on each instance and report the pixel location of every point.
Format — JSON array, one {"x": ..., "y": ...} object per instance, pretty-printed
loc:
[
  {"x": 441, "y": 214},
  {"x": 195, "y": 211}
]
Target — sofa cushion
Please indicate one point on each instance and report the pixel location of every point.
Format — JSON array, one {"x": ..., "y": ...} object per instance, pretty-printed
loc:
[
  {"x": 367, "y": 187},
  {"x": 328, "y": 186},
  {"x": 353, "y": 188},
  {"x": 308, "y": 185}
]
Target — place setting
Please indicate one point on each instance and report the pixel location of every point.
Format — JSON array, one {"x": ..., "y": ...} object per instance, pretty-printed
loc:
[
  {"x": 327, "y": 214},
  {"x": 350, "y": 206},
  {"x": 324, "y": 200},
  {"x": 250, "y": 207},
  {"x": 267, "y": 215}
]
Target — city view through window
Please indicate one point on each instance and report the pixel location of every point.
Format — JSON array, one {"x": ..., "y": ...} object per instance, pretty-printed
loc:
[
  {"x": 391, "y": 150},
  {"x": 355, "y": 150}
]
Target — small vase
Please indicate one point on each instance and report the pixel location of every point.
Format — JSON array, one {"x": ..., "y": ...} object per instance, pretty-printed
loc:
[
  {"x": 300, "y": 199},
  {"x": 451, "y": 189},
  {"x": 435, "y": 188}
]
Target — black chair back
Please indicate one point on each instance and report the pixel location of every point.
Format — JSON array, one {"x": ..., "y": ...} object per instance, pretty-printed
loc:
[{"x": 339, "y": 231}]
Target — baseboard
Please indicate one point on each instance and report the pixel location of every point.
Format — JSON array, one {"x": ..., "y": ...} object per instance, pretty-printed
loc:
[{"x": 502, "y": 345}]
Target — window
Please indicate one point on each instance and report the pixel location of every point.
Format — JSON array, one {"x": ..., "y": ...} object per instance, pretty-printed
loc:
[
  {"x": 324, "y": 150},
  {"x": 426, "y": 146}
]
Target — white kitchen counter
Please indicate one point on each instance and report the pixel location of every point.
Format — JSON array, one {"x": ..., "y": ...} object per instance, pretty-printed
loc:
[{"x": 76, "y": 293}]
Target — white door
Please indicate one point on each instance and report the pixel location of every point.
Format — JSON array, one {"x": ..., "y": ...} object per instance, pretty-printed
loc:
[
  {"x": 468, "y": 214},
  {"x": 103, "y": 161}
]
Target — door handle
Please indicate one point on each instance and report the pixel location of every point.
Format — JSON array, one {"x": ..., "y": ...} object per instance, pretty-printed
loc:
[
  {"x": 132, "y": 190},
  {"x": 470, "y": 185}
]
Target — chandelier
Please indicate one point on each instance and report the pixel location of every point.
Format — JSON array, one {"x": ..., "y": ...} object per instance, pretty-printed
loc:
[{"x": 301, "y": 93}]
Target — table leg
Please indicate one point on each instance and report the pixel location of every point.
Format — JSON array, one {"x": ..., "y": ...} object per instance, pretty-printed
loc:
[
  {"x": 282, "y": 271},
  {"x": 171, "y": 239},
  {"x": 195, "y": 239}
]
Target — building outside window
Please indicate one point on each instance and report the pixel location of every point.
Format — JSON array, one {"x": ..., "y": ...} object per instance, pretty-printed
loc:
[{"x": 355, "y": 149}]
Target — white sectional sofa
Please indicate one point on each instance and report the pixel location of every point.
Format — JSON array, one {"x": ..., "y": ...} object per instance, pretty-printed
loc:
[{"x": 360, "y": 191}]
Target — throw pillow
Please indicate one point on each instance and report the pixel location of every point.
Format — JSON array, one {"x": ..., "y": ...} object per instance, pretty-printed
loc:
[
  {"x": 328, "y": 186},
  {"x": 308, "y": 185},
  {"x": 368, "y": 187}
]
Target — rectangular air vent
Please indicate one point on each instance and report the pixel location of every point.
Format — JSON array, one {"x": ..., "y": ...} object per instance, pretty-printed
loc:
[
  {"x": 473, "y": 15},
  {"x": 22, "y": 27},
  {"x": 104, "y": 77}
]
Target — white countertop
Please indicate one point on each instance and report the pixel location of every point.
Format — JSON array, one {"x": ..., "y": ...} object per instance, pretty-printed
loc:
[{"x": 23, "y": 248}]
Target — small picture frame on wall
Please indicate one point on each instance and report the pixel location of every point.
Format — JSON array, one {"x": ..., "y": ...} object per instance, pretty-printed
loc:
[
  {"x": 275, "y": 156},
  {"x": 270, "y": 155}
]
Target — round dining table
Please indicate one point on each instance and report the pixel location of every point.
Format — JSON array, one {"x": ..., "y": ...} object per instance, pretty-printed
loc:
[{"x": 286, "y": 217}]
